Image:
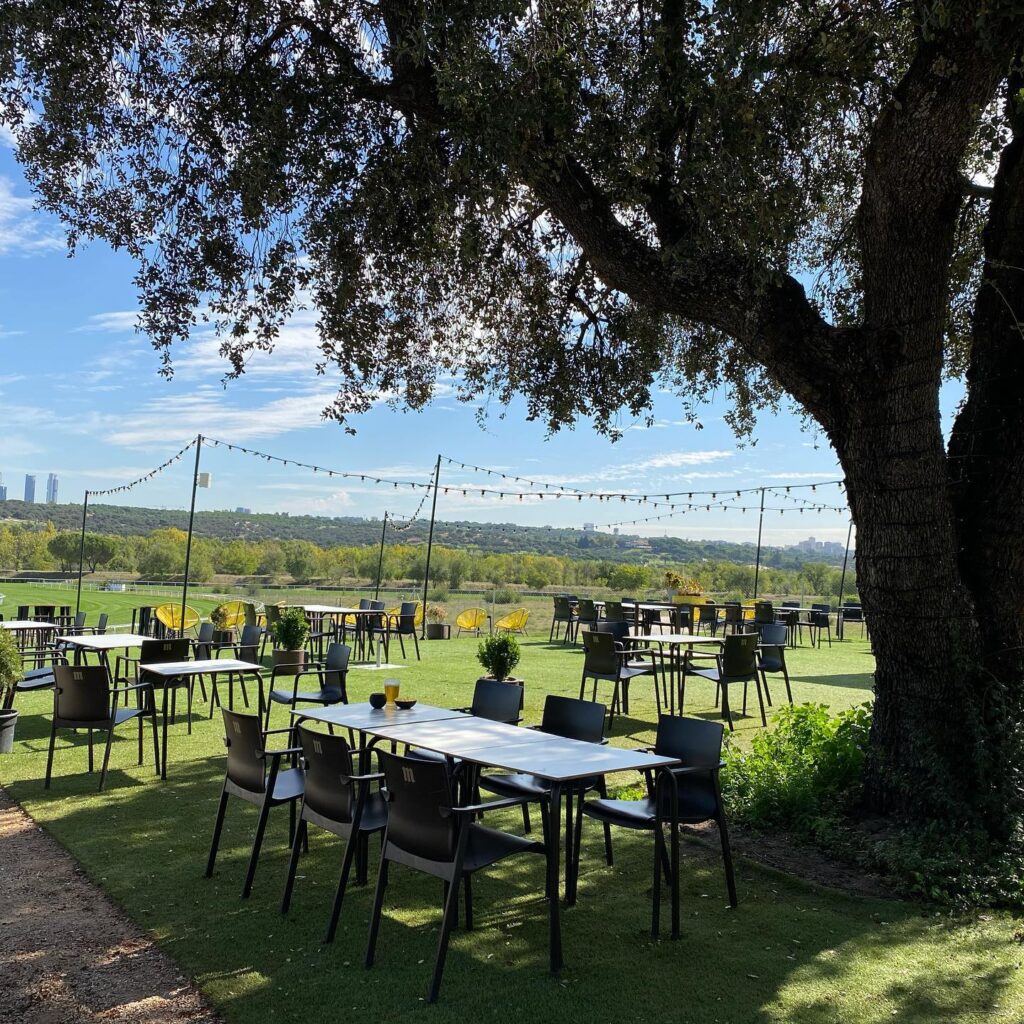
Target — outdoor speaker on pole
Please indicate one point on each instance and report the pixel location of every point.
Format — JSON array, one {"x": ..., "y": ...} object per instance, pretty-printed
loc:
[{"x": 204, "y": 479}]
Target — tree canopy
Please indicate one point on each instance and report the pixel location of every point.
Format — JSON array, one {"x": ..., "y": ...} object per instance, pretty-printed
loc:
[{"x": 580, "y": 200}]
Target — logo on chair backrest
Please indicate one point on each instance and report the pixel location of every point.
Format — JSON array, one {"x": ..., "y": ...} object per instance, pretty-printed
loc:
[
  {"x": 167, "y": 647},
  {"x": 77, "y": 674},
  {"x": 237, "y": 726},
  {"x": 318, "y": 746},
  {"x": 408, "y": 774}
]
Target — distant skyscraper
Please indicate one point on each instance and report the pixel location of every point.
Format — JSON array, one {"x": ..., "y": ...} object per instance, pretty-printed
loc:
[
  {"x": 30, "y": 487},
  {"x": 3, "y": 489},
  {"x": 51, "y": 489}
]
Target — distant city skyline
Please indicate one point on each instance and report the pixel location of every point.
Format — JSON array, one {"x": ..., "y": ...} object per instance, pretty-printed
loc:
[{"x": 30, "y": 488}]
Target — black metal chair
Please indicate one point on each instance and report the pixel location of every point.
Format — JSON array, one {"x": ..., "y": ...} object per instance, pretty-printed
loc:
[
  {"x": 614, "y": 612},
  {"x": 337, "y": 800},
  {"x": 707, "y": 616},
  {"x": 764, "y": 613},
  {"x": 737, "y": 663},
  {"x": 562, "y": 615},
  {"x": 852, "y": 612},
  {"x": 688, "y": 794},
  {"x": 248, "y": 778},
  {"x": 606, "y": 659},
  {"x": 404, "y": 624},
  {"x": 159, "y": 652},
  {"x": 572, "y": 719},
  {"x": 84, "y": 699},
  {"x": 771, "y": 656},
  {"x": 377, "y": 628},
  {"x": 429, "y": 833},
  {"x": 101, "y": 626},
  {"x": 733, "y": 621},
  {"x": 332, "y": 673},
  {"x": 819, "y": 622},
  {"x": 586, "y": 615}
]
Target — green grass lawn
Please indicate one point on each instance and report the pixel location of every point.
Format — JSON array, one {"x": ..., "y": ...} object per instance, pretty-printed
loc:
[{"x": 789, "y": 952}]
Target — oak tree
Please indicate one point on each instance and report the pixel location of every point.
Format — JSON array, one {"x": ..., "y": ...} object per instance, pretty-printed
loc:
[{"x": 808, "y": 201}]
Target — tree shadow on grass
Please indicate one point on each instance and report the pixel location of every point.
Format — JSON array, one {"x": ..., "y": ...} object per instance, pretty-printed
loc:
[{"x": 789, "y": 951}]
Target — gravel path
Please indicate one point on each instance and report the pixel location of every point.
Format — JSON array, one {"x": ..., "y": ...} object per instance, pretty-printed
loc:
[{"x": 68, "y": 955}]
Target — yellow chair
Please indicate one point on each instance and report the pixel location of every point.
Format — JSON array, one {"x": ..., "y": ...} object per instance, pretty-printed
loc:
[
  {"x": 233, "y": 614},
  {"x": 514, "y": 622},
  {"x": 472, "y": 620},
  {"x": 169, "y": 616}
]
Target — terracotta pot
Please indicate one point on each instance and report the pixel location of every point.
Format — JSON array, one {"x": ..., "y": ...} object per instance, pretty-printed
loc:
[{"x": 288, "y": 662}]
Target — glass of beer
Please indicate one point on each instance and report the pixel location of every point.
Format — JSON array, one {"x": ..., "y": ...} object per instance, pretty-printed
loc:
[{"x": 391, "y": 690}]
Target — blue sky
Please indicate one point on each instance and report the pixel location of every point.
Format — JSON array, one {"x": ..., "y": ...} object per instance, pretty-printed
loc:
[{"x": 80, "y": 395}]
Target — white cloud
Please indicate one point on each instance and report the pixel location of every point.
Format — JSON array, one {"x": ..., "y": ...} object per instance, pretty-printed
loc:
[
  {"x": 23, "y": 232},
  {"x": 116, "y": 322}
]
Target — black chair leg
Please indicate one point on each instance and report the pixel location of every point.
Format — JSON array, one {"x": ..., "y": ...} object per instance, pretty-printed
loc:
[
  {"x": 346, "y": 867},
  {"x": 602, "y": 789},
  {"x": 469, "y": 902},
  {"x": 261, "y": 827},
  {"x": 217, "y": 826},
  {"x": 527, "y": 827},
  {"x": 49, "y": 755},
  {"x": 106, "y": 755},
  {"x": 451, "y": 909},
  {"x": 659, "y": 857},
  {"x": 760, "y": 700},
  {"x": 416, "y": 644},
  {"x": 378, "y": 903},
  {"x": 156, "y": 735},
  {"x": 293, "y": 863}
]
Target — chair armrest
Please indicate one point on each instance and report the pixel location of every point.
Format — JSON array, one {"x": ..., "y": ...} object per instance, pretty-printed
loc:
[
  {"x": 280, "y": 753},
  {"x": 489, "y": 805},
  {"x": 133, "y": 686},
  {"x": 369, "y": 777},
  {"x": 272, "y": 732}
]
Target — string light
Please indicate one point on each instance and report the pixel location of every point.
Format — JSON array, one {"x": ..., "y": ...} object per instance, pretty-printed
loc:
[{"x": 146, "y": 476}]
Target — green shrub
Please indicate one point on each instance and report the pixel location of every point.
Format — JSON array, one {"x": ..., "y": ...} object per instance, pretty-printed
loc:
[
  {"x": 499, "y": 654},
  {"x": 438, "y": 594},
  {"x": 505, "y": 595},
  {"x": 806, "y": 769},
  {"x": 10, "y": 662},
  {"x": 290, "y": 630}
]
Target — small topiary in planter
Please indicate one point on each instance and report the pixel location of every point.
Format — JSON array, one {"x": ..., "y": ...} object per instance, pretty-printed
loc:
[
  {"x": 500, "y": 654},
  {"x": 289, "y": 634},
  {"x": 10, "y": 673}
]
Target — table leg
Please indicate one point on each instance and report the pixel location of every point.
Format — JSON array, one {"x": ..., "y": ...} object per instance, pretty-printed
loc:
[
  {"x": 163, "y": 753},
  {"x": 554, "y": 901}
]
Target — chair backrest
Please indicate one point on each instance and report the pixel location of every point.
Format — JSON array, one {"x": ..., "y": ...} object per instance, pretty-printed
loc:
[
  {"x": 244, "y": 740},
  {"x": 22, "y": 613},
  {"x": 157, "y": 652},
  {"x": 81, "y": 693},
  {"x": 764, "y": 612},
  {"x": 619, "y": 630},
  {"x": 733, "y": 614},
  {"x": 707, "y": 613},
  {"x": 573, "y": 719},
  {"x": 45, "y": 612},
  {"x": 697, "y": 744},
  {"x": 790, "y": 604},
  {"x": 80, "y": 621},
  {"x": 613, "y": 611},
  {"x": 821, "y": 607},
  {"x": 562, "y": 608},
  {"x": 407, "y": 616},
  {"x": 328, "y": 761},
  {"x": 364, "y": 604},
  {"x": 336, "y": 668},
  {"x": 420, "y": 822},
  {"x": 273, "y": 614},
  {"x": 249, "y": 611},
  {"x": 739, "y": 656},
  {"x": 627, "y": 600},
  {"x": 498, "y": 702},
  {"x": 599, "y": 654},
  {"x": 101, "y": 623},
  {"x": 774, "y": 633},
  {"x": 853, "y": 612},
  {"x": 586, "y": 610},
  {"x": 169, "y": 615},
  {"x": 471, "y": 618},
  {"x": 819, "y": 618},
  {"x": 204, "y": 641}
]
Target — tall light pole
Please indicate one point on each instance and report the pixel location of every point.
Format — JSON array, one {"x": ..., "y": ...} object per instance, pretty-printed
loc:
[
  {"x": 757, "y": 562},
  {"x": 430, "y": 544},
  {"x": 380, "y": 557},
  {"x": 81, "y": 554},
  {"x": 196, "y": 483}
]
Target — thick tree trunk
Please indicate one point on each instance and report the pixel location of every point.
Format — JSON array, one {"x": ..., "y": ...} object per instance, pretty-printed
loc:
[{"x": 919, "y": 612}]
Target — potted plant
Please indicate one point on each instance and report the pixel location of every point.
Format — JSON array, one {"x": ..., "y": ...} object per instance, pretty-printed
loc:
[
  {"x": 10, "y": 673},
  {"x": 436, "y": 628},
  {"x": 683, "y": 589},
  {"x": 289, "y": 634},
  {"x": 500, "y": 654},
  {"x": 222, "y": 632}
]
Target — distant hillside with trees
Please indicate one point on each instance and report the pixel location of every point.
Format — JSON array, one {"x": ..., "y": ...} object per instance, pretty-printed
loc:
[{"x": 348, "y": 531}]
